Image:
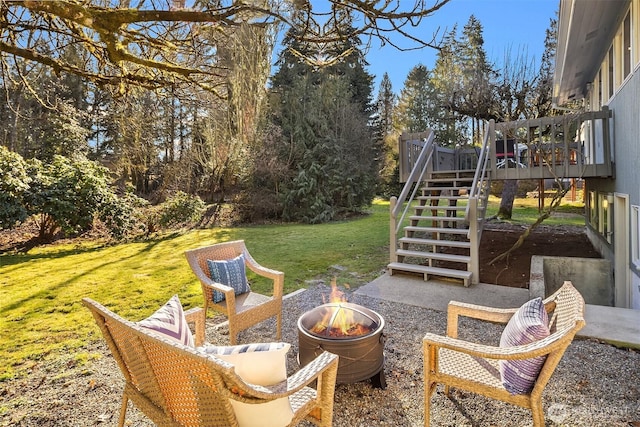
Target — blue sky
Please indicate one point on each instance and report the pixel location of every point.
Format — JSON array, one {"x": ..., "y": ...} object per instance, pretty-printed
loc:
[{"x": 508, "y": 25}]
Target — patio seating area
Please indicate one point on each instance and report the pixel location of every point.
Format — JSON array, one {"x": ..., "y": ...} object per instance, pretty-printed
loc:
[{"x": 581, "y": 392}]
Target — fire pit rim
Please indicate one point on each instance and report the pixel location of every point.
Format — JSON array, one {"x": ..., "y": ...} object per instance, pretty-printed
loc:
[{"x": 356, "y": 307}]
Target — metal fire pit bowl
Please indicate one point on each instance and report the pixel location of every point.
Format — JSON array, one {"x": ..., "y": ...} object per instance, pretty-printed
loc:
[{"x": 361, "y": 357}]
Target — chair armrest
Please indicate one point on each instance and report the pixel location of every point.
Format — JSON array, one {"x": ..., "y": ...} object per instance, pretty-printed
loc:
[
  {"x": 197, "y": 316},
  {"x": 226, "y": 290},
  {"x": 324, "y": 368},
  {"x": 275, "y": 275},
  {"x": 538, "y": 348},
  {"x": 474, "y": 311},
  {"x": 326, "y": 362}
]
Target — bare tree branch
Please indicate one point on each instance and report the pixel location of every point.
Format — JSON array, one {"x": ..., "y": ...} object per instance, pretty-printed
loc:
[
  {"x": 555, "y": 203},
  {"x": 162, "y": 42}
]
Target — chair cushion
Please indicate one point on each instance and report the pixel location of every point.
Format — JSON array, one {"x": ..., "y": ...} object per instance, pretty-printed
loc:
[
  {"x": 231, "y": 273},
  {"x": 169, "y": 321},
  {"x": 529, "y": 324},
  {"x": 262, "y": 364}
]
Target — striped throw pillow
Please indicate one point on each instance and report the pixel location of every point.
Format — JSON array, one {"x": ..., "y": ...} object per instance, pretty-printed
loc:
[
  {"x": 529, "y": 324},
  {"x": 257, "y": 363},
  {"x": 169, "y": 322},
  {"x": 231, "y": 273}
]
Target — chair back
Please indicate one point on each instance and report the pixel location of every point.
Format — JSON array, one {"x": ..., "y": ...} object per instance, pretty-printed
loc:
[
  {"x": 565, "y": 321},
  {"x": 197, "y": 258},
  {"x": 569, "y": 309},
  {"x": 171, "y": 383}
]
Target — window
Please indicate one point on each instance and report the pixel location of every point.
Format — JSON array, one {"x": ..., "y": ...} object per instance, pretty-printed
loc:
[
  {"x": 593, "y": 210},
  {"x": 603, "y": 209},
  {"x": 635, "y": 236},
  {"x": 635, "y": 32},
  {"x": 605, "y": 216},
  {"x": 611, "y": 75},
  {"x": 608, "y": 233},
  {"x": 599, "y": 104},
  {"x": 626, "y": 46}
]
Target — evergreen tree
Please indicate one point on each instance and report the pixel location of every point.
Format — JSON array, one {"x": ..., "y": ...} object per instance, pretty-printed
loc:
[
  {"x": 44, "y": 119},
  {"x": 417, "y": 105},
  {"x": 477, "y": 99},
  {"x": 326, "y": 140},
  {"x": 387, "y": 138},
  {"x": 448, "y": 87},
  {"x": 543, "y": 92},
  {"x": 386, "y": 104}
]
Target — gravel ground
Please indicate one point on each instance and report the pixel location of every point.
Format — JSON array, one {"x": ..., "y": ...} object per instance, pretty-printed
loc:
[{"x": 595, "y": 384}]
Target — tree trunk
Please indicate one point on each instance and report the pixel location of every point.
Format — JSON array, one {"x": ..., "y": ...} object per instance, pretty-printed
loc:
[{"x": 508, "y": 195}]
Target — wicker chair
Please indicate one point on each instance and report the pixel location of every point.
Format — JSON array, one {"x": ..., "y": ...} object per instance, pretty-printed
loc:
[
  {"x": 474, "y": 367},
  {"x": 245, "y": 310},
  {"x": 174, "y": 385}
]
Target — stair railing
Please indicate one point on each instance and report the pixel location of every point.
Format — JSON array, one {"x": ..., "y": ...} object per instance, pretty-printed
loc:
[
  {"x": 423, "y": 163},
  {"x": 477, "y": 203}
]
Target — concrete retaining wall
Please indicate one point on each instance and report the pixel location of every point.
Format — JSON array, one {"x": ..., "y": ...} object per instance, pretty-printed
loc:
[{"x": 593, "y": 277}]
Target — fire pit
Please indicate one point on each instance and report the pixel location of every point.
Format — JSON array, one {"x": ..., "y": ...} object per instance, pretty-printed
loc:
[{"x": 352, "y": 332}]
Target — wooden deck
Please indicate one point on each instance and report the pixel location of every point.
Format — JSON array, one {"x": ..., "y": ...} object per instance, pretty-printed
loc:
[{"x": 569, "y": 146}]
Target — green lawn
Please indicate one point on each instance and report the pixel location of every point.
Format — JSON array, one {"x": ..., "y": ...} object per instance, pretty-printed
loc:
[{"x": 41, "y": 315}]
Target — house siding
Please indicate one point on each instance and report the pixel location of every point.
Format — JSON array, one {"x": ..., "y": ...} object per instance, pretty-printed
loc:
[{"x": 625, "y": 106}]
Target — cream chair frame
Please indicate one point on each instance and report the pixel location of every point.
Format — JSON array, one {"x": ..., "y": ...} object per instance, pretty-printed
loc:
[
  {"x": 245, "y": 310},
  {"x": 473, "y": 367},
  {"x": 175, "y": 385}
]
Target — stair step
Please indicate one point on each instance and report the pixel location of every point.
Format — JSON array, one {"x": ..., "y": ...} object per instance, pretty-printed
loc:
[
  {"x": 426, "y": 270},
  {"x": 436, "y": 218},
  {"x": 451, "y": 182},
  {"x": 440, "y": 207},
  {"x": 434, "y": 255},
  {"x": 460, "y": 231},
  {"x": 442, "y": 198},
  {"x": 433, "y": 242},
  {"x": 427, "y": 188}
]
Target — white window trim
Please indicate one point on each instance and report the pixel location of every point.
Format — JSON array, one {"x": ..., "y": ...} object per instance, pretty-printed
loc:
[
  {"x": 635, "y": 34},
  {"x": 635, "y": 236}
]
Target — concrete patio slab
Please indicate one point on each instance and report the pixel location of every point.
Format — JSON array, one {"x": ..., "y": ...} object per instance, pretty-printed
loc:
[{"x": 618, "y": 326}]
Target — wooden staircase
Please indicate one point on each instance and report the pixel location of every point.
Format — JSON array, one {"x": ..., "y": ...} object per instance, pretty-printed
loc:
[{"x": 435, "y": 241}]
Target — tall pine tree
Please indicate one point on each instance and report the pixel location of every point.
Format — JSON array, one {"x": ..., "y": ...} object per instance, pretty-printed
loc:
[
  {"x": 417, "y": 105},
  {"x": 324, "y": 117},
  {"x": 448, "y": 87},
  {"x": 386, "y": 137}
]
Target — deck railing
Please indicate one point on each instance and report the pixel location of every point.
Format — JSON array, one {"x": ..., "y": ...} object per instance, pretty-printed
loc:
[
  {"x": 570, "y": 146},
  {"x": 419, "y": 158}
]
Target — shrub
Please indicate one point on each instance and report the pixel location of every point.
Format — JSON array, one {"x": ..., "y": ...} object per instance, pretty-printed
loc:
[
  {"x": 181, "y": 208},
  {"x": 124, "y": 216},
  {"x": 14, "y": 182},
  {"x": 66, "y": 194}
]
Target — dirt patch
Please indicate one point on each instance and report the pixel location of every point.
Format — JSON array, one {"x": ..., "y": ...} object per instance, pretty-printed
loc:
[{"x": 497, "y": 238}]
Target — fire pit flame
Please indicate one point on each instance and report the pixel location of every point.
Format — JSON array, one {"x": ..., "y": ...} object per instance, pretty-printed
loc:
[{"x": 338, "y": 320}]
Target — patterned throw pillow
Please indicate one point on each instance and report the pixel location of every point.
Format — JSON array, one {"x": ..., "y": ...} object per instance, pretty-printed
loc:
[
  {"x": 231, "y": 273},
  {"x": 258, "y": 363},
  {"x": 169, "y": 321},
  {"x": 529, "y": 324},
  {"x": 262, "y": 364}
]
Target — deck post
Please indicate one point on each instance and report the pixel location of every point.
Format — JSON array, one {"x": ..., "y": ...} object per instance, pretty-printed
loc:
[
  {"x": 474, "y": 240},
  {"x": 393, "y": 244}
]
